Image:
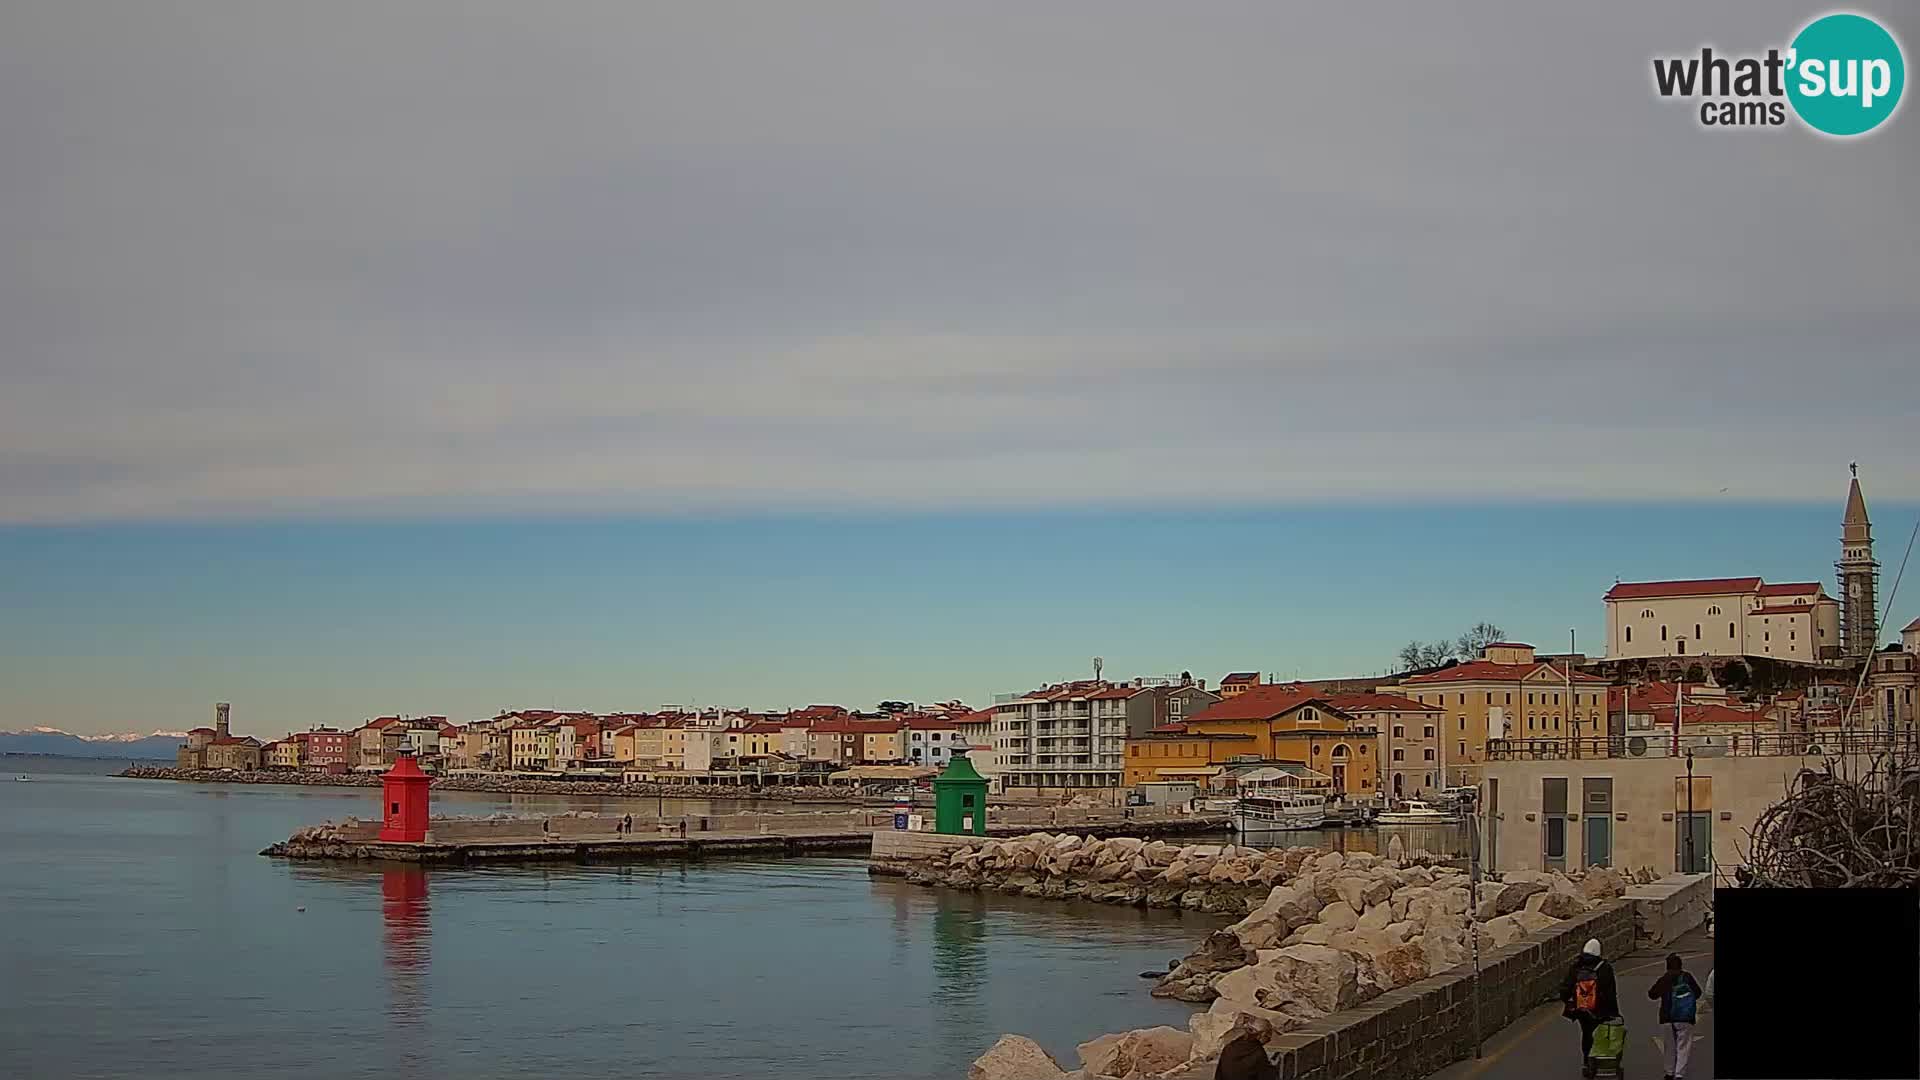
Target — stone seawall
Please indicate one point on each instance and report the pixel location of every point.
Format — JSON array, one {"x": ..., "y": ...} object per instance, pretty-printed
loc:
[
  {"x": 505, "y": 785},
  {"x": 1333, "y": 943}
]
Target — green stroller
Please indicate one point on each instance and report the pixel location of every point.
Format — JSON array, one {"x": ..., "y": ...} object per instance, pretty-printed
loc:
[{"x": 1609, "y": 1046}]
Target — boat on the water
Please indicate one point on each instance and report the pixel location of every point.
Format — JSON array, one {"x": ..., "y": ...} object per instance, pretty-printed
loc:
[
  {"x": 1217, "y": 804},
  {"x": 1415, "y": 812},
  {"x": 24, "y": 779},
  {"x": 1280, "y": 811}
]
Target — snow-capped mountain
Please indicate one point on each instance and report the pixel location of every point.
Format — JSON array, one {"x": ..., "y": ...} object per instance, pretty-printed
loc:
[{"x": 47, "y": 740}]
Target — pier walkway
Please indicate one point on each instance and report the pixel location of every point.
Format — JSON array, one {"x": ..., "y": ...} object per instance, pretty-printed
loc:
[
  {"x": 578, "y": 839},
  {"x": 1543, "y": 1045}
]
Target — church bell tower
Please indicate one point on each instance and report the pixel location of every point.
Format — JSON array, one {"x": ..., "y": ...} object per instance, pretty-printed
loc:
[{"x": 1859, "y": 577}]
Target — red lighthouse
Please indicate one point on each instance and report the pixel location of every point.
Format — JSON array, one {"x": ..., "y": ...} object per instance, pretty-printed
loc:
[{"x": 404, "y": 793}]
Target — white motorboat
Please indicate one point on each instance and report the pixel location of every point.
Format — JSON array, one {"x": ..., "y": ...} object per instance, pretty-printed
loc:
[
  {"x": 1216, "y": 804},
  {"x": 1416, "y": 812},
  {"x": 23, "y": 778},
  {"x": 1280, "y": 812}
]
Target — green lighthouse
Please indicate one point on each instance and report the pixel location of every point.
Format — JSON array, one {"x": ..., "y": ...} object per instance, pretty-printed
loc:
[{"x": 960, "y": 799}]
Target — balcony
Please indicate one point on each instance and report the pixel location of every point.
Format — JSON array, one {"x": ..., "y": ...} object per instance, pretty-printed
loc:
[{"x": 1815, "y": 744}]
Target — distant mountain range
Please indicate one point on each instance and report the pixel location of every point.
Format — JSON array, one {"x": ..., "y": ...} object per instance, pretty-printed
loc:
[{"x": 46, "y": 740}]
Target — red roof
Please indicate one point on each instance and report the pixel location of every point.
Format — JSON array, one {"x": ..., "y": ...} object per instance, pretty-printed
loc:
[
  {"x": 1114, "y": 693},
  {"x": 1646, "y": 590},
  {"x": 1709, "y": 714},
  {"x": 1790, "y": 589},
  {"x": 1259, "y": 703},
  {"x": 1783, "y": 609},
  {"x": 1488, "y": 671},
  {"x": 1377, "y": 703},
  {"x": 932, "y": 723},
  {"x": 199, "y": 730},
  {"x": 236, "y": 740},
  {"x": 765, "y": 727},
  {"x": 1175, "y": 727},
  {"x": 1241, "y": 677},
  {"x": 978, "y": 716},
  {"x": 1506, "y": 645},
  {"x": 857, "y": 727}
]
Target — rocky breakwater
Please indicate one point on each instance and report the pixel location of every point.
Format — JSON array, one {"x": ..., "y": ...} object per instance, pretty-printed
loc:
[
  {"x": 507, "y": 785},
  {"x": 1217, "y": 878},
  {"x": 1335, "y": 931}
]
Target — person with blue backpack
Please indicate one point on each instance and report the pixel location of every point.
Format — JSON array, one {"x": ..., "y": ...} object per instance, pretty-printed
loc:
[{"x": 1679, "y": 996}]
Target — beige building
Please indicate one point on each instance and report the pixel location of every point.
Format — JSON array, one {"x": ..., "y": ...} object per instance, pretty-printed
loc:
[
  {"x": 234, "y": 752},
  {"x": 1892, "y": 681},
  {"x": 1723, "y": 617},
  {"x": 1542, "y": 812},
  {"x": 283, "y": 754},
  {"x": 1062, "y": 738},
  {"x": 1409, "y": 750},
  {"x": 1507, "y": 693}
]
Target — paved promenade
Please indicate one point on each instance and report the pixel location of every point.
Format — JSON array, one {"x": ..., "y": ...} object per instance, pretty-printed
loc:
[{"x": 1543, "y": 1045}]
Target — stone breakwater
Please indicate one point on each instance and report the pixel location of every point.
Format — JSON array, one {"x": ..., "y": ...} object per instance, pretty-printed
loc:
[
  {"x": 1328, "y": 932},
  {"x": 827, "y": 793}
]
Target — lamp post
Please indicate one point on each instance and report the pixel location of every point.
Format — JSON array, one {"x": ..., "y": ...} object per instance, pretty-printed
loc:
[
  {"x": 1687, "y": 836},
  {"x": 1470, "y": 803}
]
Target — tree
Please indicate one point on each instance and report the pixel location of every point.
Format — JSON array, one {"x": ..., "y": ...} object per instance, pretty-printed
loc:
[
  {"x": 1696, "y": 674},
  {"x": 1735, "y": 677},
  {"x": 1475, "y": 641},
  {"x": 1432, "y": 654}
]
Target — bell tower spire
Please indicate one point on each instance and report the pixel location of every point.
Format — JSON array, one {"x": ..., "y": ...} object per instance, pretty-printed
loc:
[{"x": 1859, "y": 576}]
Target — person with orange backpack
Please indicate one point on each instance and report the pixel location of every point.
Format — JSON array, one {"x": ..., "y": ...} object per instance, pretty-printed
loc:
[{"x": 1590, "y": 997}]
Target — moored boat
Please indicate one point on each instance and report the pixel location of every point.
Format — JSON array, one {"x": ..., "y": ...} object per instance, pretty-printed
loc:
[
  {"x": 1415, "y": 812},
  {"x": 1280, "y": 812}
]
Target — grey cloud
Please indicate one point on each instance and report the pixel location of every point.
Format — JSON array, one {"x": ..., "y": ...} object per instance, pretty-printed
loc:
[{"x": 352, "y": 258}]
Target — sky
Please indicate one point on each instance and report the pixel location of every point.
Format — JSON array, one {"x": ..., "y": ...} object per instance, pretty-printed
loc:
[{"x": 359, "y": 358}]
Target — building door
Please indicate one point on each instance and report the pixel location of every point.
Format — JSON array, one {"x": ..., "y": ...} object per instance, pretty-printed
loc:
[
  {"x": 1340, "y": 779},
  {"x": 1693, "y": 843},
  {"x": 1492, "y": 816},
  {"x": 1556, "y": 843},
  {"x": 1553, "y": 815},
  {"x": 1596, "y": 821},
  {"x": 1599, "y": 847}
]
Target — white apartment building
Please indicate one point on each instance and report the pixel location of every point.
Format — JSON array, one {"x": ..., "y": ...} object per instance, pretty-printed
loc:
[
  {"x": 1722, "y": 617},
  {"x": 1061, "y": 738}
]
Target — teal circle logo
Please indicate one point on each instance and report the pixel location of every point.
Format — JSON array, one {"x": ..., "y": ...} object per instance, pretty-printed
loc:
[{"x": 1845, "y": 74}]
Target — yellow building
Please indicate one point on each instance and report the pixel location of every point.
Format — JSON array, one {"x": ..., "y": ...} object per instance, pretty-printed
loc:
[
  {"x": 1507, "y": 694},
  {"x": 880, "y": 741},
  {"x": 285, "y": 754},
  {"x": 661, "y": 747},
  {"x": 1288, "y": 724}
]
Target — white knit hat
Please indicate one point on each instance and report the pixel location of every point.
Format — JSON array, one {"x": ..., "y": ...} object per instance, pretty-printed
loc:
[{"x": 1592, "y": 947}]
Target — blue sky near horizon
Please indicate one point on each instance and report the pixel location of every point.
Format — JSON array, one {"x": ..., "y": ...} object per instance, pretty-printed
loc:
[{"x": 140, "y": 626}]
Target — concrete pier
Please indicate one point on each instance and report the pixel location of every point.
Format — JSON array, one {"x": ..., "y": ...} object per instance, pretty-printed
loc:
[{"x": 593, "y": 840}]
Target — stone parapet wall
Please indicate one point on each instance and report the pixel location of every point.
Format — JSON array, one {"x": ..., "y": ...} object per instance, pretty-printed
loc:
[{"x": 1418, "y": 1029}]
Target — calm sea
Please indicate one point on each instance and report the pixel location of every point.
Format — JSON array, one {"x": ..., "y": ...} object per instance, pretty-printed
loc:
[{"x": 142, "y": 935}]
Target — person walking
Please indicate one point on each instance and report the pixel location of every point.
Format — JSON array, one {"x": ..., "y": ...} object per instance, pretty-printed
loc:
[
  {"x": 1590, "y": 996},
  {"x": 1679, "y": 995}
]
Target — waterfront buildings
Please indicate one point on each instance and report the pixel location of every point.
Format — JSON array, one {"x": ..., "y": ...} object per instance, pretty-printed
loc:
[
  {"x": 1409, "y": 748},
  {"x": 1061, "y": 739},
  {"x": 1506, "y": 693},
  {"x": 1264, "y": 724}
]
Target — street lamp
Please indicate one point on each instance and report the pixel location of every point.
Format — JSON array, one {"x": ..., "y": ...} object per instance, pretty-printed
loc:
[
  {"x": 1687, "y": 834},
  {"x": 1468, "y": 803}
]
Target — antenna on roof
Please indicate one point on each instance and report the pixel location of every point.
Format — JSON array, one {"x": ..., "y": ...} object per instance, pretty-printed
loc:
[{"x": 1098, "y": 663}]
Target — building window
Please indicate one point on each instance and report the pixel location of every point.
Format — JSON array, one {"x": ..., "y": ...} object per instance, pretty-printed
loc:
[
  {"x": 1463, "y": 723},
  {"x": 1663, "y": 633},
  {"x": 1463, "y": 749},
  {"x": 1429, "y": 753},
  {"x": 1399, "y": 754},
  {"x": 1729, "y": 631},
  {"x": 1714, "y": 610},
  {"x": 1629, "y": 633},
  {"x": 1400, "y": 732},
  {"x": 1696, "y": 631},
  {"x": 1646, "y": 613},
  {"x": 1509, "y": 699}
]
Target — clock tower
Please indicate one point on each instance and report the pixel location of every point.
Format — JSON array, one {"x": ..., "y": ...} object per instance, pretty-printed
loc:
[{"x": 1859, "y": 577}]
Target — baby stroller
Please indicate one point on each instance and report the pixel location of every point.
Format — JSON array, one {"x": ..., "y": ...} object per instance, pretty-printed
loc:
[{"x": 1609, "y": 1046}]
